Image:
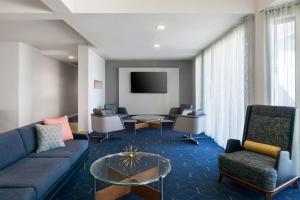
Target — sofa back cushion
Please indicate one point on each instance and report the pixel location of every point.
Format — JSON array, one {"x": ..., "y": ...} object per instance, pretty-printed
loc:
[
  {"x": 28, "y": 135},
  {"x": 11, "y": 148}
]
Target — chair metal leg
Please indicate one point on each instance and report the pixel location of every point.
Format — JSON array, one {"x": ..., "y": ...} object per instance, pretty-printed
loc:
[
  {"x": 104, "y": 138},
  {"x": 192, "y": 139}
]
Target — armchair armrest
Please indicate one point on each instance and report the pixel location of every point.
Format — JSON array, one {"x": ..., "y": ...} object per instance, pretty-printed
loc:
[
  {"x": 286, "y": 167},
  {"x": 233, "y": 146},
  {"x": 122, "y": 110}
]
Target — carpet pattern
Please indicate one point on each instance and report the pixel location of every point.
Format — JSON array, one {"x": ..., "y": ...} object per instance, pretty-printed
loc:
[{"x": 194, "y": 173}]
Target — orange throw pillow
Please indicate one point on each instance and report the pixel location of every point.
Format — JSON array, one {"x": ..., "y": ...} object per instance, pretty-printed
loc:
[{"x": 66, "y": 129}]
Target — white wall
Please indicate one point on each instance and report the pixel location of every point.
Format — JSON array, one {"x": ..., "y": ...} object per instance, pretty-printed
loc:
[
  {"x": 33, "y": 86},
  {"x": 148, "y": 103},
  {"x": 90, "y": 67},
  {"x": 47, "y": 87},
  {"x": 8, "y": 86}
]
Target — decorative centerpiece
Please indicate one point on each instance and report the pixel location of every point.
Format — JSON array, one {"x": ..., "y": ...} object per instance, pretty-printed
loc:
[{"x": 131, "y": 156}]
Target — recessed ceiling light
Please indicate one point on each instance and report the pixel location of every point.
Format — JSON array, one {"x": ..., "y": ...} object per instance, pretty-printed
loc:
[
  {"x": 160, "y": 27},
  {"x": 156, "y": 45},
  {"x": 71, "y": 57}
]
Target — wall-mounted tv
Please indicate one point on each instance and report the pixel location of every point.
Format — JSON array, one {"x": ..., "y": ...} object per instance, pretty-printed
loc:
[{"x": 149, "y": 82}]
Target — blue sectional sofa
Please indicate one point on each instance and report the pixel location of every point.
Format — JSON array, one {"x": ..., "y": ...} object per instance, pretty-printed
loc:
[{"x": 26, "y": 175}]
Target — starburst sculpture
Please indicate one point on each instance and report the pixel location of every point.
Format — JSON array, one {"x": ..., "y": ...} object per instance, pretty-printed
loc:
[{"x": 131, "y": 156}]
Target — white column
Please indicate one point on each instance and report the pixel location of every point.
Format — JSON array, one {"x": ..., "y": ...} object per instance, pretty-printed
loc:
[{"x": 91, "y": 68}]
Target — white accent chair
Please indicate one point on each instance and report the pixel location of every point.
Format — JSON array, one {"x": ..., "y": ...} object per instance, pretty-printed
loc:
[
  {"x": 191, "y": 124},
  {"x": 106, "y": 124}
]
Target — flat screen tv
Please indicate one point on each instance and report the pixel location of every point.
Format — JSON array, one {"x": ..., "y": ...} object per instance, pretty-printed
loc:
[{"x": 149, "y": 82}]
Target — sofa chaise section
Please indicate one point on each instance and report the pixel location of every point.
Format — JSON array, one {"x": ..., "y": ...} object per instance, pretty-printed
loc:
[
  {"x": 37, "y": 173},
  {"x": 26, "y": 175}
]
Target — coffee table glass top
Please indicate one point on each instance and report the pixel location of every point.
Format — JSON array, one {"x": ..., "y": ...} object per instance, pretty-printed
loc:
[
  {"x": 148, "y": 117},
  {"x": 136, "y": 168}
]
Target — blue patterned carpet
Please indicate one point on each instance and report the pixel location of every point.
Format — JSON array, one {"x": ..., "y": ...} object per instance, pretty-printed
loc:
[{"x": 194, "y": 171}]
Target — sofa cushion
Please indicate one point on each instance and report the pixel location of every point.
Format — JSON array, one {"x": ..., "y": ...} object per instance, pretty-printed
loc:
[
  {"x": 253, "y": 168},
  {"x": 73, "y": 150},
  {"x": 28, "y": 135},
  {"x": 17, "y": 194},
  {"x": 37, "y": 173},
  {"x": 11, "y": 148},
  {"x": 112, "y": 107}
]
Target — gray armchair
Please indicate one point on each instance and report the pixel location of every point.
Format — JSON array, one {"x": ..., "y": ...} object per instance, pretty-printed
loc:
[
  {"x": 184, "y": 109},
  {"x": 107, "y": 123},
  {"x": 271, "y": 125},
  {"x": 192, "y": 124}
]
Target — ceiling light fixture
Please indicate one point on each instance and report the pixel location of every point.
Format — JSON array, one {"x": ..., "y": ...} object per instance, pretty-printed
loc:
[
  {"x": 71, "y": 57},
  {"x": 156, "y": 45},
  {"x": 160, "y": 27}
]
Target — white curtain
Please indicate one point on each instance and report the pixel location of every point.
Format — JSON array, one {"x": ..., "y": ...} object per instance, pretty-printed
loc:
[
  {"x": 226, "y": 78},
  {"x": 283, "y": 43},
  {"x": 198, "y": 82},
  {"x": 281, "y": 46}
]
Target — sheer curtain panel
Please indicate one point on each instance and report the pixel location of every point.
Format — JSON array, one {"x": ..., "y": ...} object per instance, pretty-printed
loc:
[
  {"x": 281, "y": 48},
  {"x": 227, "y": 66}
]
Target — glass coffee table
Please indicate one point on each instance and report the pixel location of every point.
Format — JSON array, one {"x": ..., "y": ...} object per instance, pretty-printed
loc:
[{"x": 130, "y": 172}]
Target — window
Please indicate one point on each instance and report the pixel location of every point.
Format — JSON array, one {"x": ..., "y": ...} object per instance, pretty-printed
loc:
[{"x": 281, "y": 58}]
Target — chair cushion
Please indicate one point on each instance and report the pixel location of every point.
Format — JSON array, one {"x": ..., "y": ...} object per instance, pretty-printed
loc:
[
  {"x": 37, "y": 173},
  {"x": 73, "y": 150},
  {"x": 17, "y": 194},
  {"x": 106, "y": 112},
  {"x": 49, "y": 137},
  {"x": 253, "y": 168},
  {"x": 28, "y": 135},
  {"x": 11, "y": 148},
  {"x": 271, "y": 125},
  {"x": 112, "y": 107},
  {"x": 184, "y": 106}
]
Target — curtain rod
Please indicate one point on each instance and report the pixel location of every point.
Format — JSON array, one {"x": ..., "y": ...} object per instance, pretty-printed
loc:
[
  {"x": 292, "y": 3},
  {"x": 243, "y": 20}
]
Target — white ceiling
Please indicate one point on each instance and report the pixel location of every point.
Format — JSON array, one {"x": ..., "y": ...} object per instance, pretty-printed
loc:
[
  {"x": 122, "y": 29},
  {"x": 54, "y": 35},
  {"x": 132, "y": 36}
]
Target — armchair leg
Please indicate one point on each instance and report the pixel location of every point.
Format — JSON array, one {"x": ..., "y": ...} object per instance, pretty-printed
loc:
[
  {"x": 104, "y": 138},
  {"x": 192, "y": 139},
  {"x": 268, "y": 196}
]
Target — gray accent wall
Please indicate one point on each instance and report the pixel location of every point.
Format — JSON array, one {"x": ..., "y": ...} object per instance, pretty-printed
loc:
[{"x": 185, "y": 76}]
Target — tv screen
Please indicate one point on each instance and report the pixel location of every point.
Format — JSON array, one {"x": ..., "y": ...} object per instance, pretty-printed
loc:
[{"x": 149, "y": 82}]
